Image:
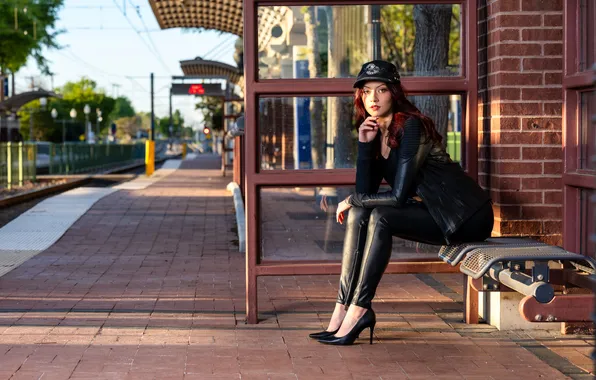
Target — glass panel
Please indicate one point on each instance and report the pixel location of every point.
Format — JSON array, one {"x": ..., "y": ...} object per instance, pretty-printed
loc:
[
  {"x": 587, "y": 31},
  {"x": 294, "y": 227},
  {"x": 587, "y": 131},
  {"x": 587, "y": 221},
  {"x": 334, "y": 41},
  {"x": 307, "y": 133},
  {"x": 446, "y": 112},
  {"x": 319, "y": 132}
]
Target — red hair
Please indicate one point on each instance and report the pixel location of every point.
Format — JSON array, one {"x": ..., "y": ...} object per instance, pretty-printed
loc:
[{"x": 403, "y": 109}]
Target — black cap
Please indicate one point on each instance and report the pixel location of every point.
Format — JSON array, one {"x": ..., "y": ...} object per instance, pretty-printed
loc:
[{"x": 382, "y": 71}]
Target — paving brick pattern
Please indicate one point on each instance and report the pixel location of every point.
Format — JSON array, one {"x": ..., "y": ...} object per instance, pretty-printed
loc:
[{"x": 149, "y": 284}]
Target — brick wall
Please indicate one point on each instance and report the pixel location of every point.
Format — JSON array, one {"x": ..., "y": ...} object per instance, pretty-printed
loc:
[{"x": 520, "y": 107}]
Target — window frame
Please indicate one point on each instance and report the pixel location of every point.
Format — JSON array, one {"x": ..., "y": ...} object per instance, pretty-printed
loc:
[
  {"x": 466, "y": 84},
  {"x": 574, "y": 178}
]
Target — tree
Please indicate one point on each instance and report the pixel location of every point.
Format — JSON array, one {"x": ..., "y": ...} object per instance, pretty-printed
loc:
[
  {"x": 74, "y": 95},
  {"x": 399, "y": 30},
  {"x": 122, "y": 108},
  {"x": 177, "y": 124},
  {"x": 423, "y": 40},
  {"x": 26, "y": 28},
  {"x": 432, "y": 30},
  {"x": 212, "y": 109},
  {"x": 316, "y": 103}
]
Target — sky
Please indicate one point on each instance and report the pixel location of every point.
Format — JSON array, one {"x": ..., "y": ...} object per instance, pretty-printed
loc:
[{"x": 120, "y": 51}]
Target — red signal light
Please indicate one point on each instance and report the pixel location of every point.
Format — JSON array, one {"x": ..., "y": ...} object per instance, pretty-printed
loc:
[{"x": 196, "y": 89}]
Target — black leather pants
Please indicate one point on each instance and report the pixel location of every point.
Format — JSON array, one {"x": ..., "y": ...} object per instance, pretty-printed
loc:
[{"x": 368, "y": 243}]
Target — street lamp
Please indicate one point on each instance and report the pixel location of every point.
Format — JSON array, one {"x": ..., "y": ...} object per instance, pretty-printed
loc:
[
  {"x": 43, "y": 102},
  {"x": 54, "y": 114},
  {"x": 86, "y": 111},
  {"x": 99, "y": 119},
  {"x": 73, "y": 116}
]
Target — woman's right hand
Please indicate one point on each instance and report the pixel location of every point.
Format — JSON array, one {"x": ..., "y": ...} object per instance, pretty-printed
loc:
[{"x": 368, "y": 129}]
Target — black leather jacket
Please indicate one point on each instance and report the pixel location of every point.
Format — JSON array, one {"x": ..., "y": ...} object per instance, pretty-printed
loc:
[{"x": 422, "y": 168}]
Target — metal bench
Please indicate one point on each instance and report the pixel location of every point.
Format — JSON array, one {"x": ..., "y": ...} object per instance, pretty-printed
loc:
[
  {"x": 504, "y": 261},
  {"x": 453, "y": 254}
]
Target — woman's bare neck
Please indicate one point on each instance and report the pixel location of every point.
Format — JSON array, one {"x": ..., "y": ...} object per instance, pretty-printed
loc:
[{"x": 384, "y": 122}]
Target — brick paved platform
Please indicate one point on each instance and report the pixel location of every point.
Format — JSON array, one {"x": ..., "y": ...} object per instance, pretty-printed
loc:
[{"x": 149, "y": 284}]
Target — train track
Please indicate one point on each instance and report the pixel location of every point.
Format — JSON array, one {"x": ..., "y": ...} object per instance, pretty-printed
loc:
[{"x": 16, "y": 208}]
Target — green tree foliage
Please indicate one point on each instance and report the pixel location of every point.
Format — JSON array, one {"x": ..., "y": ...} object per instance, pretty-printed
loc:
[
  {"x": 128, "y": 126},
  {"x": 163, "y": 126},
  {"x": 27, "y": 33},
  {"x": 122, "y": 108},
  {"x": 212, "y": 110},
  {"x": 398, "y": 35},
  {"x": 74, "y": 95}
]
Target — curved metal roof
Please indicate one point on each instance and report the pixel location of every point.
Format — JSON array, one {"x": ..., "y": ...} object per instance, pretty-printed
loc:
[
  {"x": 204, "y": 67},
  {"x": 14, "y": 103},
  {"x": 222, "y": 15}
]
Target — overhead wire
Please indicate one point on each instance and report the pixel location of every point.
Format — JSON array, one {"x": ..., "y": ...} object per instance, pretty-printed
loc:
[
  {"x": 206, "y": 55},
  {"x": 223, "y": 52},
  {"x": 138, "y": 12},
  {"x": 155, "y": 53}
]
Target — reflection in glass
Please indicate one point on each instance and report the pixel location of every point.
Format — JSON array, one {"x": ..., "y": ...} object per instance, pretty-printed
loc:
[
  {"x": 334, "y": 41},
  {"x": 307, "y": 133},
  {"x": 587, "y": 222},
  {"x": 587, "y": 131},
  {"x": 319, "y": 132},
  {"x": 294, "y": 227},
  {"x": 446, "y": 112},
  {"x": 587, "y": 31}
]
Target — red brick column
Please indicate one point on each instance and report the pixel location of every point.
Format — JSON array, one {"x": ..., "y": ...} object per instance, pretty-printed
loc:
[{"x": 520, "y": 107}]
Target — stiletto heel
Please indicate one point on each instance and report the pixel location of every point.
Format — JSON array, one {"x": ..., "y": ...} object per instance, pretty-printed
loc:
[
  {"x": 368, "y": 320},
  {"x": 372, "y": 329}
]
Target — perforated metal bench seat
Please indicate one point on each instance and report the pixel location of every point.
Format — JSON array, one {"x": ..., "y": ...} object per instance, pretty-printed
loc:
[
  {"x": 479, "y": 261},
  {"x": 453, "y": 254}
]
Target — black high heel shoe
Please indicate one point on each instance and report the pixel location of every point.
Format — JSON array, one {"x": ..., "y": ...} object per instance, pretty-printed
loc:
[
  {"x": 323, "y": 334},
  {"x": 367, "y": 320}
]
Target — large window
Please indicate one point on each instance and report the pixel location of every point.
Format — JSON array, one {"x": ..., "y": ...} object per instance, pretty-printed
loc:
[
  {"x": 334, "y": 41},
  {"x": 300, "y": 131},
  {"x": 319, "y": 132},
  {"x": 579, "y": 179}
]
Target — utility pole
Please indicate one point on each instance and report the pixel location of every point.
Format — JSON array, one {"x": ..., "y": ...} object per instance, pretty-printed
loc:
[
  {"x": 171, "y": 126},
  {"x": 1, "y": 87},
  {"x": 150, "y": 143},
  {"x": 375, "y": 31},
  {"x": 152, "y": 112}
]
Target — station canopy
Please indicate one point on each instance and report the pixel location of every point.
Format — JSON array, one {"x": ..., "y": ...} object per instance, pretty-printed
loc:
[
  {"x": 222, "y": 15},
  {"x": 207, "y": 68},
  {"x": 14, "y": 103}
]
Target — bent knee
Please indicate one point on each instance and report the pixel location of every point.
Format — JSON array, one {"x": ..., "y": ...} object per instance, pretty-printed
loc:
[
  {"x": 377, "y": 216},
  {"x": 358, "y": 215}
]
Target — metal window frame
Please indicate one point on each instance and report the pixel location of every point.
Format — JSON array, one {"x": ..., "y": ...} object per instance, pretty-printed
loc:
[
  {"x": 466, "y": 85},
  {"x": 575, "y": 81}
]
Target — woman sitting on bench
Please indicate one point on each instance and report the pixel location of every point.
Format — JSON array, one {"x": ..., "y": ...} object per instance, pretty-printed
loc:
[{"x": 432, "y": 200}]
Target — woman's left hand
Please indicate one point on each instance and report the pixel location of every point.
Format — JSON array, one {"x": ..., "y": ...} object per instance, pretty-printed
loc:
[{"x": 341, "y": 208}]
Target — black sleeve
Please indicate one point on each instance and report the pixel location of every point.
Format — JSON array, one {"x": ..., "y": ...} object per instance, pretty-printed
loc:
[
  {"x": 368, "y": 175},
  {"x": 408, "y": 159}
]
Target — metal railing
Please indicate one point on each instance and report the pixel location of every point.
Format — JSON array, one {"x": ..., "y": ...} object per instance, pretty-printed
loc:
[
  {"x": 20, "y": 162},
  {"x": 70, "y": 158},
  {"x": 17, "y": 164}
]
